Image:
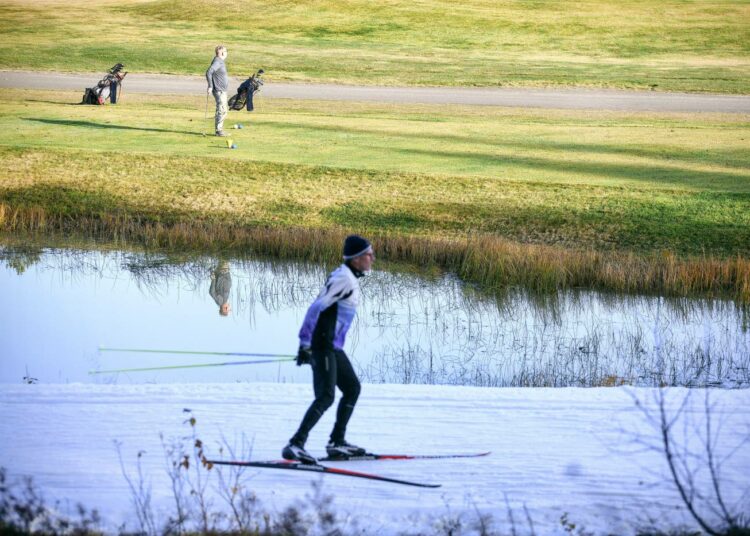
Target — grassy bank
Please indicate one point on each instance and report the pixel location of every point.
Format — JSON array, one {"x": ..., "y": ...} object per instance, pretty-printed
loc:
[
  {"x": 543, "y": 199},
  {"x": 669, "y": 45},
  {"x": 492, "y": 263}
]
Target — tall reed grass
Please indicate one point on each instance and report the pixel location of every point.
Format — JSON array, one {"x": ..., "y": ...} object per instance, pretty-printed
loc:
[{"x": 491, "y": 262}]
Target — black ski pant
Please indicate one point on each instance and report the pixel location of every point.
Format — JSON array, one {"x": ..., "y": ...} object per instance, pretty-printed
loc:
[{"x": 331, "y": 369}]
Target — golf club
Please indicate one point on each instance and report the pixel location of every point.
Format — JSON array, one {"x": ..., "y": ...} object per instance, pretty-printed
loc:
[{"x": 205, "y": 116}]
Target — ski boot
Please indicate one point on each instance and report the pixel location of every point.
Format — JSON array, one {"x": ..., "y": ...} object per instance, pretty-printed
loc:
[
  {"x": 342, "y": 450},
  {"x": 294, "y": 452}
]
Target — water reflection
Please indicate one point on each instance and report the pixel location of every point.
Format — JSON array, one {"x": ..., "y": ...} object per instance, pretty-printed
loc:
[
  {"x": 409, "y": 329},
  {"x": 221, "y": 285},
  {"x": 20, "y": 258}
]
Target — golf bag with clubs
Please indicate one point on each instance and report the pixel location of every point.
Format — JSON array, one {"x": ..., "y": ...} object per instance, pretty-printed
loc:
[
  {"x": 244, "y": 96},
  {"x": 106, "y": 88}
]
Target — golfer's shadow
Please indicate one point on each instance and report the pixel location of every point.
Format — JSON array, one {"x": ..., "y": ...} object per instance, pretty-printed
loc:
[{"x": 91, "y": 124}]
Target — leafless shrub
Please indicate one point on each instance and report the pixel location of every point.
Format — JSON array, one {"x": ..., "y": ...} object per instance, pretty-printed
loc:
[
  {"x": 195, "y": 483},
  {"x": 140, "y": 493},
  {"x": 186, "y": 468},
  {"x": 26, "y": 512},
  {"x": 571, "y": 527},
  {"x": 696, "y": 475},
  {"x": 292, "y": 522},
  {"x": 243, "y": 502}
]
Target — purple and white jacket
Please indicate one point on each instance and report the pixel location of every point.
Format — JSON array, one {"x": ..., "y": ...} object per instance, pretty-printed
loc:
[{"x": 331, "y": 314}]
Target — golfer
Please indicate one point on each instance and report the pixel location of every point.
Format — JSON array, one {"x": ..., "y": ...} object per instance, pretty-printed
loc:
[
  {"x": 322, "y": 339},
  {"x": 218, "y": 82},
  {"x": 221, "y": 285}
]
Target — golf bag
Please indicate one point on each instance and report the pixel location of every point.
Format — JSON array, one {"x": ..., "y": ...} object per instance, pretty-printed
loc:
[
  {"x": 245, "y": 92},
  {"x": 106, "y": 88}
]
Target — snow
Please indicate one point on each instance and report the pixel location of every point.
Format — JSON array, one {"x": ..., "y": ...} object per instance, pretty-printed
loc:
[{"x": 580, "y": 451}]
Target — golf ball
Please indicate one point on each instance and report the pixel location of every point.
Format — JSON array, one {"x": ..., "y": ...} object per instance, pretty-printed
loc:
[
  {"x": 235, "y": 126},
  {"x": 239, "y": 126},
  {"x": 234, "y": 146}
]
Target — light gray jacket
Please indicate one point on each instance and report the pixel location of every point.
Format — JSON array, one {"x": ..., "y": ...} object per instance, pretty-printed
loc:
[{"x": 216, "y": 76}]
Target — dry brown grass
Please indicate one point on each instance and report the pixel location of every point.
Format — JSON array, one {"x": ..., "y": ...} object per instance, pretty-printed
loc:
[{"x": 491, "y": 262}]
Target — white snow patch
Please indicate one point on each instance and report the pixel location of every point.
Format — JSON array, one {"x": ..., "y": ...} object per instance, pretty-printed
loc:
[{"x": 554, "y": 451}]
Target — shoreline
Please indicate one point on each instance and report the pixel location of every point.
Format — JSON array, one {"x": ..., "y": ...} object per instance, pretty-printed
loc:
[{"x": 493, "y": 263}]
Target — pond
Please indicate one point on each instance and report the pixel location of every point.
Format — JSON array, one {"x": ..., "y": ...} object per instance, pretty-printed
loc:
[{"x": 64, "y": 311}]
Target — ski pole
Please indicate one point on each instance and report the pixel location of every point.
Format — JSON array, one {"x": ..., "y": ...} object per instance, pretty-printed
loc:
[
  {"x": 171, "y": 367},
  {"x": 190, "y": 352}
]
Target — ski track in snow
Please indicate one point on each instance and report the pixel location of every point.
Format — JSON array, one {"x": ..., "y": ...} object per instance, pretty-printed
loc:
[{"x": 554, "y": 450}]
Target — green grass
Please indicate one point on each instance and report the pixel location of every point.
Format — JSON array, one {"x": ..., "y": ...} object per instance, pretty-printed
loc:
[
  {"x": 682, "y": 45},
  {"x": 603, "y": 181}
]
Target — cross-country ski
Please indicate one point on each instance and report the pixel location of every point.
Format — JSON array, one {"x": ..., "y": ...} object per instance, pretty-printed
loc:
[
  {"x": 317, "y": 468},
  {"x": 371, "y": 457}
]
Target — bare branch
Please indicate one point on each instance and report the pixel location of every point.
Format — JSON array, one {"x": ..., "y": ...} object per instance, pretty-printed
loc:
[
  {"x": 668, "y": 451},
  {"x": 728, "y": 518}
]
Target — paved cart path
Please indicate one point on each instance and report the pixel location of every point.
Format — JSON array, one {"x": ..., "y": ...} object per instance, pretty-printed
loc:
[{"x": 576, "y": 99}]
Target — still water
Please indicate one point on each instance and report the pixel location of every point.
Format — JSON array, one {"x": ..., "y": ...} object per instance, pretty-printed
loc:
[{"x": 59, "y": 307}]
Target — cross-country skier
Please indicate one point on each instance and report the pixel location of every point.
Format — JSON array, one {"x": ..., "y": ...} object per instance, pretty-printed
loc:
[{"x": 322, "y": 339}]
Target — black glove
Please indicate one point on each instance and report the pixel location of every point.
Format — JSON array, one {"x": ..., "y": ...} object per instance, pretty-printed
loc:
[{"x": 304, "y": 355}]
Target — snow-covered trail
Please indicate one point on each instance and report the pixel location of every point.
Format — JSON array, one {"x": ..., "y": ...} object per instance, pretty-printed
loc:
[{"x": 553, "y": 450}]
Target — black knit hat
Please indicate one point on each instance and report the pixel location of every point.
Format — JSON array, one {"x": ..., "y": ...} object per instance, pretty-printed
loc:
[{"x": 354, "y": 246}]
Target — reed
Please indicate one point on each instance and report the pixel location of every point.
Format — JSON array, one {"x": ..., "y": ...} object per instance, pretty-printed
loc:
[{"x": 492, "y": 262}]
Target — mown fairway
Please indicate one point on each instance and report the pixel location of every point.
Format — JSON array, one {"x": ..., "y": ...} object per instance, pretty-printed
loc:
[
  {"x": 667, "y": 45},
  {"x": 608, "y": 181}
]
